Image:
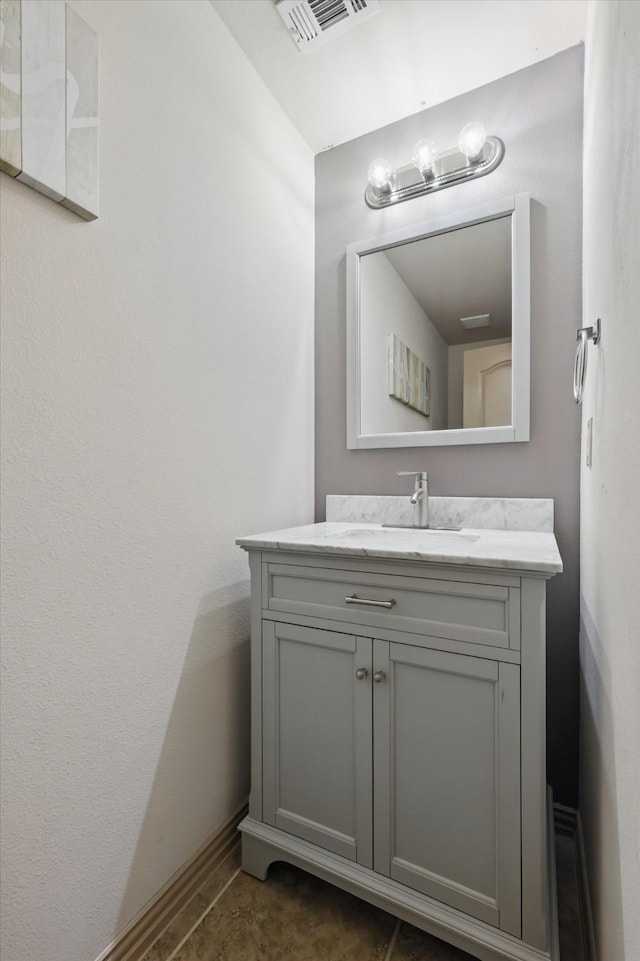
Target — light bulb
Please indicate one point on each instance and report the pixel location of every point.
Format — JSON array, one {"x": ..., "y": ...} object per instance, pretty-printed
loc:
[
  {"x": 424, "y": 155},
  {"x": 380, "y": 174},
  {"x": 471, "y": 140}
]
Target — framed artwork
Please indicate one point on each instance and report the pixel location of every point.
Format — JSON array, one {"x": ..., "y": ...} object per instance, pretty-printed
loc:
[
  {"x": 409, "y": 379},
  {"x": 49, "y": 102}
]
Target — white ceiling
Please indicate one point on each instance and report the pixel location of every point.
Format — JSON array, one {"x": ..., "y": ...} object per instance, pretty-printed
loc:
[{"x": 411, "y": 55}]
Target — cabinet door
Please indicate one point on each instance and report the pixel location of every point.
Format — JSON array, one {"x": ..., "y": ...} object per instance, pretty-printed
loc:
[
  {"x": 317, "y": 737},
  {"x": 447, "y": 779}
]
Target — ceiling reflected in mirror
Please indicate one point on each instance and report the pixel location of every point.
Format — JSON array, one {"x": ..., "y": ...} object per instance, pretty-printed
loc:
[{"x": 461, "y": 274}]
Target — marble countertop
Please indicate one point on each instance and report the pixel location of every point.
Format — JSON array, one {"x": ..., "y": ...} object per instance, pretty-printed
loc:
[{"x": 534, "y": 551}]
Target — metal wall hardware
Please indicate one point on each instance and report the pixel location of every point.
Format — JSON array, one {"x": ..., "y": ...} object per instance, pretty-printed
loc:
[{"x": 584, "y": 335}]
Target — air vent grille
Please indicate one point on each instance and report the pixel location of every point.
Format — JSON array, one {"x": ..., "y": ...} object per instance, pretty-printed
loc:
[
  {"x": 328, "y": 12},
  {"x": 313, "y": 22}
]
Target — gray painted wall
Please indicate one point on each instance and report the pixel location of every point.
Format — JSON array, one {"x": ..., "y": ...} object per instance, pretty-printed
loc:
[{"x": 538, "y": 114}]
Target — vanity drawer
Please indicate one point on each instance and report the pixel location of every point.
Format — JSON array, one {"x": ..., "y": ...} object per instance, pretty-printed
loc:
[{"x": 485, "y": 614}]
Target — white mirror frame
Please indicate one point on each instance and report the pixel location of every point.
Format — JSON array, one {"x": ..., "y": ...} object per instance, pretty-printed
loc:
[{"x": 518, "y": 208}]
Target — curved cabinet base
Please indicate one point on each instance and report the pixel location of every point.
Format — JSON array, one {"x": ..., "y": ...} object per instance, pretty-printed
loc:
[{"x": 262, "y": 845}]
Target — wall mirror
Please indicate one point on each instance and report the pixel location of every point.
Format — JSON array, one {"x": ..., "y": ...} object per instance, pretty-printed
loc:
[{"x": 438, "y": 331}]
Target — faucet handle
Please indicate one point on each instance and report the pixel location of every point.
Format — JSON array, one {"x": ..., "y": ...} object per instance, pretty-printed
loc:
[{"x": 420, "y": 474}]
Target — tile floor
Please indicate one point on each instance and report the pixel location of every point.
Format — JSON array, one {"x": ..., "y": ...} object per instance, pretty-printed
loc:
[{"x": 296, "y": 917}]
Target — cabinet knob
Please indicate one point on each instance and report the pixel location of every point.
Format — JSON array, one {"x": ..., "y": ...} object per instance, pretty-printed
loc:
[
  {"x": 361, "y": 673},
  {"x": 379, "y": 677}
]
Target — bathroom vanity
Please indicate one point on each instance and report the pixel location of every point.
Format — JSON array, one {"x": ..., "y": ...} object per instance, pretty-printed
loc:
[{"x": 398, "y": 727}]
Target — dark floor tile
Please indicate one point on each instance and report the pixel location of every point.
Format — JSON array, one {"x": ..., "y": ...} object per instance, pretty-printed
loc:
[
  {"x": 195, "y": 908},
  {"x": 415, "y": 945},
  {"x": 296, "y": 917},
  {"x": 290, "y": 917}
]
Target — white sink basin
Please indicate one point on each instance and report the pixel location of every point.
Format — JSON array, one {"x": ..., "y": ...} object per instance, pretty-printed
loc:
[{"x": 408, "y": 534}]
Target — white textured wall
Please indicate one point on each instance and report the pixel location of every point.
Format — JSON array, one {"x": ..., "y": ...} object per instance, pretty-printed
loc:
[
  {"x": 610, "y": 516},
  {"x": 157, "y": 402}
]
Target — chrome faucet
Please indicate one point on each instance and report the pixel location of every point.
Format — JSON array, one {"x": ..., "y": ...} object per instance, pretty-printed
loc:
[{"x": 420, "y": 496}]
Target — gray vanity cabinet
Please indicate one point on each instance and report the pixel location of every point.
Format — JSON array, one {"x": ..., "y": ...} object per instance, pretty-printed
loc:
[
  {"x": 398, "y": 742},
  {"x": 447, "y": 779},
  {"x": 317, "y": 737},
  {"x": 442, "y": 731}
]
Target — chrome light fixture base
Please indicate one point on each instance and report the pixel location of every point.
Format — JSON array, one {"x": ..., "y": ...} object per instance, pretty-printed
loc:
[{"x": 451, "y": 167}]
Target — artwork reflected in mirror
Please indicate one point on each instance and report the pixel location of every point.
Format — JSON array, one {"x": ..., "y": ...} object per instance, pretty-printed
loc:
[{"x": 436, "y": 332}]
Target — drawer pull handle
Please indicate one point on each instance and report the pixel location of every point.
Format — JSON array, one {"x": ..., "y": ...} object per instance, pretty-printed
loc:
[
  {"x": 379, "y": 677},
  {"x": 361, "y": 673},
  {"x": 354, "y": 599}
]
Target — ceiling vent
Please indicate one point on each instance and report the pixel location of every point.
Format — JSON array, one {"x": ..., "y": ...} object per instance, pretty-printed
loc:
[
  {"x": 479, "y": 320},
  {"x": 314, "y": 22}
]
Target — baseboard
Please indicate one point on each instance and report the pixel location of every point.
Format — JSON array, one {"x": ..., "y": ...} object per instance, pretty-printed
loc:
[
  {"x": 554, "y": 926},
  {"x": 134, "y": 942},
  {"x": 567, "y": 823},
  {"x": 585, "y": 897}
]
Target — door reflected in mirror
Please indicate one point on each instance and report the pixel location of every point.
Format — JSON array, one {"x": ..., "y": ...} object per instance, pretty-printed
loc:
[{"x": 438, "y": 332}]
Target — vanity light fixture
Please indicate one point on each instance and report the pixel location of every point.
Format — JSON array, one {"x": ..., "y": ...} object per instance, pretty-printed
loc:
[{"x": 475, "y": 156}]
